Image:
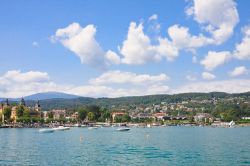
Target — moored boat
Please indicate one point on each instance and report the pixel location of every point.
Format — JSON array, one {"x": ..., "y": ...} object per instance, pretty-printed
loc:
[
  {"x": 123, "y": 129},
  {"x": 46, "y": 130},
  {"x": 91, "y": 128},
  {"x": 61, "y": 128}
]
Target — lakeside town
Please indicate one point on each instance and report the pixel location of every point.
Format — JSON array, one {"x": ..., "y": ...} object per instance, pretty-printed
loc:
[{"x": 186, "y": 113}]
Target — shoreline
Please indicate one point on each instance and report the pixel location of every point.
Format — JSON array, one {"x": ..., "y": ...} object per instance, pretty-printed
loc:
[{"x": 131, "y": 125}]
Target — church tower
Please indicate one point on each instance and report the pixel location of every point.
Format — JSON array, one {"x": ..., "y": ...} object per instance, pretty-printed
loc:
[
  {"x": 6, "y": 104},
  {"x": 22, "y": 102},
  {"x": 38, "y": 106}
]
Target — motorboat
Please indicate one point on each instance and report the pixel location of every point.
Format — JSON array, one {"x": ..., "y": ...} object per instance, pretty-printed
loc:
[
  {"x": 61, "y": 128},
  {"x": 231, "y": 124},
  {"x": 77, "y": 125},
  {"x": 46, "y": 130},
  {"x": 123, "y": 129},
  {"x": 91, "y": 128}
]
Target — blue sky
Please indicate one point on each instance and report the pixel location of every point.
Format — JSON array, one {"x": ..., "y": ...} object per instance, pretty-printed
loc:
[{"x": 124, "y": 48}]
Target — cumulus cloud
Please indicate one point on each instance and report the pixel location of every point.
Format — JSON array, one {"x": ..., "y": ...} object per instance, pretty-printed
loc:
[
  {"x": 101, "y": 91},
  {"x": 119, "y": 77},
  {"x": 138, "y": 49},
  {"x": 218, "y": 17},
  {"x": 112, "y": 57},
  {"x": 214, "y": 59},
  {"x": 118, "y": 83},
  {"x": 208, "y": 76},
  {"x": 238, "y": 71},
  {"x": 81, "y": 41},
  {"x": 182, "y": 39},
  {"x": 229, "y": 86},
  {"x": 242, "y": 49},
  {"x": 15, "y": 83}
]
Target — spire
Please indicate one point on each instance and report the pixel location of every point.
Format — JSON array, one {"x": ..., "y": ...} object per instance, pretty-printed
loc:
[
  {"x": 38, "y": 104},
  {"x": 22, "y": 102},
  {"x": 7, "y": 102}
]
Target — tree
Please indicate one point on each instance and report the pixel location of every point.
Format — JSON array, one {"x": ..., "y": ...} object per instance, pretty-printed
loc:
[
  {"x": 126, "y": 118},
  {"x": 26, "y": 112},
  {"x": 95, "y": 110},
  {"x": 7, "y": 113},
  {"x": 105, "y": 115},
  {"x": 91, "y": 116},
  {"x": 118, "y": 119},
  {"x": 50, "y": 115},
  {"x": 82, "y": 113},
  {"x": 20, "y": 111}
]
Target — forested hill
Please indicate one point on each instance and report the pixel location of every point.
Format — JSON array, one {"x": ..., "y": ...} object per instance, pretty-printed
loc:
[{"x": 69, "y": 104}]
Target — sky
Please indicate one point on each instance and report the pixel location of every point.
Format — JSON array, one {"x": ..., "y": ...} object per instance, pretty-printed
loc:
[{"x": 113, "y": 48}]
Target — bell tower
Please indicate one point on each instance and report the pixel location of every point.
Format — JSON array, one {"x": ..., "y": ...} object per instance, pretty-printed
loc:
[
  {"x": 22, "y": 102},
  {"x": 38, "y": 106}
]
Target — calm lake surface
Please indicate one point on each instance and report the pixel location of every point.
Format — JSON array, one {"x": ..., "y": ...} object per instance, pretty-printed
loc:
[{"x": 139, "y": 146}]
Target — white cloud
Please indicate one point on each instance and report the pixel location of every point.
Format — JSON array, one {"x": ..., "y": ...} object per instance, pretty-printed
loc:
[
  {"x": 118, "y": 77},
  {"x": 182, "y": 39},
  {"x": 117, "y": 84},
  {"x": 242, "y": 50},
  {"x": 229, "y": 86},
  {"x": 153, "y": 17},
  {"x": 218, "y": 17},
  {"x": 15, "y": 83},
  {"x": 82, "y": 42},
  {"x": 19, "y": 77},
  {"x": 214, "y": 59},
  {"x": 238, "y": 71},
  {"x": 167, "y": 49},
  {"x": 208, "y": 76},
  {"x": 101, "y": 91},
  {"x": 137, "y": 48},
  {"x": 112, "y": 57}
]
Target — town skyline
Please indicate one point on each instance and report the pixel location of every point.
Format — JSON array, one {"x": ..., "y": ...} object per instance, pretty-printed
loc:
[{"x": 102, "y": 50}]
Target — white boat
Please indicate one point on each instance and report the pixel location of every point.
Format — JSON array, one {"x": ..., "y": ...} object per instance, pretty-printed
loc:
[
  {"x": 231, "y": 124},
  {"x": 48, "y": 130},
  {"x": 61, "y": 128},
  {"x": 148, "y": 125},
  {"x": 91, "y": 128},
  {"x": 76, "y": 125},
  {"x": 123, "y": 129}
]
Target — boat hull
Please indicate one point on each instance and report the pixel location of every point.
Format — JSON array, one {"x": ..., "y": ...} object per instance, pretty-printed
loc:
[
  {"x": 123, "y": 129},
  {"x": 46, "y": 130}
]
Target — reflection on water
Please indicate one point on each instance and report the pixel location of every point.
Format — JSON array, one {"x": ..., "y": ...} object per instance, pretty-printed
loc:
[{"x": 139, "y": 146}]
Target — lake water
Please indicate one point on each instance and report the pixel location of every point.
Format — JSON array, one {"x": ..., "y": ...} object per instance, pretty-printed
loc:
[{"x": 139, "y": 146}]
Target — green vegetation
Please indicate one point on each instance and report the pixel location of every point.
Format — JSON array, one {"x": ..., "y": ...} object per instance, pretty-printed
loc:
[
  {"x": 121, "y": 119},
  {"x": 73, "y": 104},
  {"x": 7, "y": 113},
  {"x": 82, "y": 113}
]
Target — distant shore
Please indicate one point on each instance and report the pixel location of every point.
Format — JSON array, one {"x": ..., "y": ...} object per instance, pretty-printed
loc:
[{"x": 139, "y": 125}]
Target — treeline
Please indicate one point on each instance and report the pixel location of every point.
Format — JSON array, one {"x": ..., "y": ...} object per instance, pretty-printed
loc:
[{"x": 70, "y": 104}]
